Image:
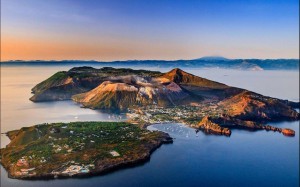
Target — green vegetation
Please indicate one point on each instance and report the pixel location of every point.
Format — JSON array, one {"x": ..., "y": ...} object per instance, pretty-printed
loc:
[
  {"x": 88, "y": 72},
  {"x": 47, "y": 147},
  {"x": 53, "y": 80}
]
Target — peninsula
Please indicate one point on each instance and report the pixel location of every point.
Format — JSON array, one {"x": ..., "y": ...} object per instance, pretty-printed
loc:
[{"x": 77, "y": 149}]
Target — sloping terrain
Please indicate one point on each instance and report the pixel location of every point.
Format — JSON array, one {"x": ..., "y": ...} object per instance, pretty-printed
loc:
[
  {"x": 252, "y": 106},
  {"x": 63, "y": 85},
  {"x": 126, "y": 92},
  {"x": 49, "y": 151},
  {"x": 200, "y": 86},
  {"x": 183, "y": 78}
]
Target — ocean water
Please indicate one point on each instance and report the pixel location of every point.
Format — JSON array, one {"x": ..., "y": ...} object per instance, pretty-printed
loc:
[{"x": 245, "y": 158}]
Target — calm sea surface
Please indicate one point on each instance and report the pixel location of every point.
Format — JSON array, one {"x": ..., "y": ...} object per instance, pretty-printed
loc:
[{"x": 245, "y": 158}]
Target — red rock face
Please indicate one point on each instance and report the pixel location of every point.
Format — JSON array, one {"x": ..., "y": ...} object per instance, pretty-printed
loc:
[
  {"x": 212, "y": 127},
  {"x": 252, "y": 106},
  {"x": 288, "y": 132}
]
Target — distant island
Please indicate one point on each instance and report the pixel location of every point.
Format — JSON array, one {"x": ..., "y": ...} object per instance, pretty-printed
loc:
[
  {"x": 204, "y": 62},
  {"x": 147, "y": 97}
]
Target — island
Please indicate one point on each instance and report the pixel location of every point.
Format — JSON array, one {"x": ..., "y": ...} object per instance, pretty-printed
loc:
[
  {"x": 77, "y": 149},
  {"x": 150, "y": 97}
]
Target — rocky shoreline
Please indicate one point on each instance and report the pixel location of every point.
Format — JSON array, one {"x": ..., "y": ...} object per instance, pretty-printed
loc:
[{"x": 221, "y": 126}]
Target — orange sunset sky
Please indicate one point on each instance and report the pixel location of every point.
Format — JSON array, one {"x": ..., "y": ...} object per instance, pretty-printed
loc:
[{"x": 106, "y": 30}]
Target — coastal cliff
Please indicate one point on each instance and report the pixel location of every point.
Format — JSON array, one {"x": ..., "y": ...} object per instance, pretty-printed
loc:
[{"x": 210, "y": 127}]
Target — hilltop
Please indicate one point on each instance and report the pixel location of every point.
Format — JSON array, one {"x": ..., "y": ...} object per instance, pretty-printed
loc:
[{"x": 181, "y": 77}]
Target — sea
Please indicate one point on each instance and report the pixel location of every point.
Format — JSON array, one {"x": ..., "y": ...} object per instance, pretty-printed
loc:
[{"x": 246, "y": 158}]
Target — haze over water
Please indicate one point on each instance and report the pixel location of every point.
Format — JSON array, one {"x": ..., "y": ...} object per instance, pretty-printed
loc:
[{"x": 245, "y": 158}]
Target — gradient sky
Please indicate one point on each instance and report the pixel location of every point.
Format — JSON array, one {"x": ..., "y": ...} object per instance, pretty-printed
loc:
[{"x": 148, "y": 29}]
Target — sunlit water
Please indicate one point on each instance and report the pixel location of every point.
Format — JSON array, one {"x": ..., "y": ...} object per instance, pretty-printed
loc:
[{"x": 245, "y": 158}]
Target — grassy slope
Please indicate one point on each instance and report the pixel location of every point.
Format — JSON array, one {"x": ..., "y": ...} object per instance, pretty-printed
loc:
[{"x": 127, "y": 139}]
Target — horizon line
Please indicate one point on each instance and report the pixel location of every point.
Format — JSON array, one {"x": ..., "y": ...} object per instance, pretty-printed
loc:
[{"x": 201, "y": 58}]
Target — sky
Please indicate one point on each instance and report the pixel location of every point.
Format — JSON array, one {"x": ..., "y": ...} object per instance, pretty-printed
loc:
[{"x": 108, "y": 30}]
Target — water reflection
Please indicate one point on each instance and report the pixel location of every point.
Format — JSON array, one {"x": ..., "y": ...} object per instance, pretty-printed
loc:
[{"x": 177, "y": 129}]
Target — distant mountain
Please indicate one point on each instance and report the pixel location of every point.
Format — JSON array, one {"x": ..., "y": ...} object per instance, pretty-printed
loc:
[
  {"x": 204, "y": 62},
  {"x": 212, "y": 58}
]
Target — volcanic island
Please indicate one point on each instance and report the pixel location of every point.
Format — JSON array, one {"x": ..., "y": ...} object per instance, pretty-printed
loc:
[{"x": 78, "y": 149}]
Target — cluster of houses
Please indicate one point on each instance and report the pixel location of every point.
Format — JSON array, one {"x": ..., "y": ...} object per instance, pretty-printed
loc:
[
  {"x": 91, "y": 138},
  {"x": 166, "y": 115},
  {"x": 25, "y": 170},
  {"x": 22, "y": 162},
  {"x": 74, "y": 169},
  {"x": 114, "y": 153}
]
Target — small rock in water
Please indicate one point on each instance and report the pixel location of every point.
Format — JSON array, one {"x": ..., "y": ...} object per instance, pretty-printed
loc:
[{"x": 288, "y": 132}]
